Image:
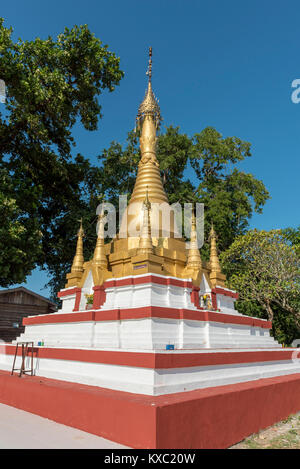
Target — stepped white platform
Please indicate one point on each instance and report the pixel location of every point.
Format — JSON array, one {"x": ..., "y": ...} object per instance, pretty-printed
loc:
[
  {"x": 117, "y": 351},
  {"x": 148, "y": 312},
  {"x": 156, "y": 373}
]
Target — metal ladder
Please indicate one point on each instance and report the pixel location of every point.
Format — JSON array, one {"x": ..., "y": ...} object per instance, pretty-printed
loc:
[{"x": 22, "y": 370}]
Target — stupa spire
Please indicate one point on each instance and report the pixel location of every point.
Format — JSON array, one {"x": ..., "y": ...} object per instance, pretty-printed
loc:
[
  {"x": 149, "y": 106},
  {"x": 78, "y": 261},
  {"x": 214, "y": 259},
  {"x": 148, "y": 121},
  {"x": 149, "y": 71},
  {"x": 194, "y": 258},
  {"x": 145, "y": 244},
  {"x": 148, "y": 176},
  {"x": 100, "y": 258}
]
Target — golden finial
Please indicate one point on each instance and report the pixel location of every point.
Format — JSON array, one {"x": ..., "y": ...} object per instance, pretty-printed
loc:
[
  {"x": 80, "y": 231},
  {"x": 212, "y": 232},
  {"x": 194, "y": 258},
  {"x": 100, "y": 258},
  {"x": 149, "y": 106},
  {"x": 147, "y": 202},
  {"x": 214, "y": 259},
  {"x": 149, "y": 71},
  {"x": 145, "y": 244},
  {"x": 78, "y": 261}
]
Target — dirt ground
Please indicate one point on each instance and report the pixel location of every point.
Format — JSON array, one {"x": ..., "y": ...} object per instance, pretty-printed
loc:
[{"x": 282, "y": 435}]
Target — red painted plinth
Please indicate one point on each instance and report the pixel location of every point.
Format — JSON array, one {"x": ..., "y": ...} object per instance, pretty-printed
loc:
[{"x": 210, "y": 418}]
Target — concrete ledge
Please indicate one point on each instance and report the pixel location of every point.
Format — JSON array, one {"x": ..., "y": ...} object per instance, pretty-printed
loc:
[
  {"x": 155, "y": 374},
  {"x": 207, "y": 418},
  {"x": 157, "y": 359}
]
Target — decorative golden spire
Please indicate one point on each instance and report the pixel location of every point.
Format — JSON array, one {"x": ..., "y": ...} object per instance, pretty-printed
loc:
[
  {"x": 149, "y": 106},
  {"x": 78, "y": 260},
  {"x": 148, "y": 119},
  {"x": 148, "y": 175},
  {"x": 149, "y": 71},
  {"x": 214, "y": 259},
  {"x": 194, "y": 258},
  {"x": 100, "y": 258},
  {"x": 145, "y": 244}
]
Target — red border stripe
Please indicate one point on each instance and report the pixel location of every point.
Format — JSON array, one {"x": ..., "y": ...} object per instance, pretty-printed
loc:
[
  {"x": 59, "y": 318},
  {"x": 147, "y": 312},
  {"x": 221, "y": 291},
  {"x": 157, "y": 360},
  {"x": 147, "y": 279},
  {"x": 70, "y": 291}
]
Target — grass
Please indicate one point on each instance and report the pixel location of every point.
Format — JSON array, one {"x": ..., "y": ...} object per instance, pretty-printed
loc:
[{"x": 282, "y": 435}]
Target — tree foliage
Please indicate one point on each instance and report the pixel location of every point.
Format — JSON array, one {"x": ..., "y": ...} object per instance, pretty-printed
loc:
[
  {"x": 264, "y": 267},
  {"x": 19, "y": 235},
  {"x": 50, "y": 85}
]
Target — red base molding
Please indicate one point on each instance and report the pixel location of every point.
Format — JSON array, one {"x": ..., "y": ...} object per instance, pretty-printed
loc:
[
  {"x": 208, "y": 418},
  {"x": 121, "y": 314},
  {"x": 157, "y": 360}
]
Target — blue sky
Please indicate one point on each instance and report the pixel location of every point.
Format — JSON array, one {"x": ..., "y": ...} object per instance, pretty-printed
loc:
[{"x": 229, "y": 65}]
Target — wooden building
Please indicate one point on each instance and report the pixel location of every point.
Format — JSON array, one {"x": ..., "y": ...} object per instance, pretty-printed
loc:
[{"x": 17, "y": 303}]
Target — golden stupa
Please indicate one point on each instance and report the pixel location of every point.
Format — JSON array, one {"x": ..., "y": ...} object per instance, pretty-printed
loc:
[{"x": 153, "y": 250}]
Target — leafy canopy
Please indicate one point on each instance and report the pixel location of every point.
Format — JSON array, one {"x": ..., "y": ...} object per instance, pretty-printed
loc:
[
  {"x": 50, "y": 85},
  {"x": 264, "y": 267}
]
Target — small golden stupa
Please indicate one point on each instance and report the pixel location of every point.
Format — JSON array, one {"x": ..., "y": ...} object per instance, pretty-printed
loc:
[{"x": 152, "y": 251}]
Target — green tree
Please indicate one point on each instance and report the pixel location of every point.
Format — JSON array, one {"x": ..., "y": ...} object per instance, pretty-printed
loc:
[
  {"x": 264, "y": 267},
  {"x": 292, "y": 235},
  {"x": 50, "y": 85},
  {"x": 284, "y": 327},
  {"x": 19, "y": 235},
  {"x": 230, "y": 196}
]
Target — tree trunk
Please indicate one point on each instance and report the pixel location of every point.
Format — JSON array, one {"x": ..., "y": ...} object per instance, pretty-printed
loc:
[
  {"x": 269, "y": 310},
  {"x": 289, "y": 309}
]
